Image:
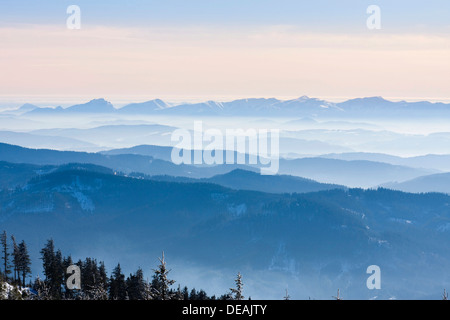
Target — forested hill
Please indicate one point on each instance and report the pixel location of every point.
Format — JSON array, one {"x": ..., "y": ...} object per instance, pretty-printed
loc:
[{"x": 335, "y": 233}]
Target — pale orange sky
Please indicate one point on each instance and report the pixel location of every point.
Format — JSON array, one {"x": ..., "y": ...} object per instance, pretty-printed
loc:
[{"x": 276, "y": 61}]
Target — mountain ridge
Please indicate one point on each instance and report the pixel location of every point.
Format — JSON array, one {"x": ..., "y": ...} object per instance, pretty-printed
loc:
[
  {"x": 330, "y": 235},
  {"x": 303, "y": 106}
]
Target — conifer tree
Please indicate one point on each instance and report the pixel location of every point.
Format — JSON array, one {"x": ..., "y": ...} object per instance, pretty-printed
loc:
[
  {"x": 42, "y": 289},
  {"x": 201, "y": 295},
  {"x": 48, "y": 258},
  {"x": 118, "y": 288},
  {"x": 53, "y": 268},
  {"x": 137, "y": 289},
  {"x": 14, "y": 294},
  {"x": 24, "y": 262},
  {"x": 193, "y": 294},
  {"x": 226, "y": 296},
  {"x": 94, "y": 280},
  {"x": 15, "y": 258},
  {"x": 2, "y": 289},
  {"x": 58, "y": 274},
  {"x": 179, "y": 294},
  {"x": 185, "y": 293},
  {"x": 160, "y": 287},
  {"x": 237, "y": 292},
  {"x": 103, "y": 277},
  {"x": 5, "y": 254}
]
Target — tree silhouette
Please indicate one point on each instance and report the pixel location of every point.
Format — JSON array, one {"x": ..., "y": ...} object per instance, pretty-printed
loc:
[
  {"x": 338, "y": 297},
  {"x": 160, "y": 287},
  {"x": 237, "y": 292}
]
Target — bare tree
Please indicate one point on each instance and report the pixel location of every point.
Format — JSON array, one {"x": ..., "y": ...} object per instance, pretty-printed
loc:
[
  {"x": 287, "y": 296},
  {"x": 338, "y": 297}
]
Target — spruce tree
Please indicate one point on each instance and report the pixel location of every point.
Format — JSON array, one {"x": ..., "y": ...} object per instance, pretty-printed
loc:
[
  {"x": 24, "y": 262},
  {"x": 185, "y": 293},
  {"x": 237, "y": 292},
  {"x": 93, "y": 280},
  {"x": 58, "y": 274},
  {"x": 226, "y": 296},
  {"x": 136, "y": 285},
  {"x": 179, "y": 294},
  {"x": 160, "y": 287},
  {"x": 42, "y": 289},
  {"x": 48, "y": 257},
  {"x": 201, "y": 295},
  {"x": 89, "y": 273},
  {"x": 103, "y": 277},
  {"x": 193, "y": 294},
  {"x": 2, "y": 289},
  {"x": 53, "y": 268},
  {"x": 5, "y": 254},
  {"x": 15, "y": 259},
  {"x": 14, "y": 294},
  {"x": 118, "y": 287}
]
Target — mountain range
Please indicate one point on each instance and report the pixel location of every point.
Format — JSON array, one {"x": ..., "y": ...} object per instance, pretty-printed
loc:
[
  {"x": 431, "y": 183},
  {"x": 316, "y": 242},
  {"x": 303, "y": 106},
  {"x": 152, "y": 160},
  {"x": 432, "y": 161},
  {"x": 248, "y": 180},
  {"x": 125, "y": 163},
  {"x": 326, "y": 169},
  {"x": 338, "y": 204}
]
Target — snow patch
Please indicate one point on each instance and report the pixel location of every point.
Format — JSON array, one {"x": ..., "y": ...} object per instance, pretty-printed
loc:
[
  {"x": 85, "y": 203},
  {"x": 219, "y": 196},
  {"x": 7, "y": 288},
  {"x": 403, "y": 221},
  {"x": 76, "y": 188},
  {"x": 379, "y": 242},
  {"x": 281, "y": 260},
  {"x": 444, "y": 227},
  {"x": 237, "y": 210}
]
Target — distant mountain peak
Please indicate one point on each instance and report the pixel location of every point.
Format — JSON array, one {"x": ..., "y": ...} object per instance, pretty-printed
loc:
[
  {"x": 376, "y": 98},
  {"x": 214, "y": 104},
  {"x": 144, "y": 107},
  {"x": 303, "y": 106},
  {"x": 27, "y": 107},
  {"x": 98, "y": 100},
  {"x": 99, "y": 105},
  {"x": 241, "y": 172},
  {"x": 369, "y": 99}
]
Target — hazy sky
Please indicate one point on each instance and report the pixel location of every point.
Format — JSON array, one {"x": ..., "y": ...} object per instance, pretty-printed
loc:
[{"x": 206, "y": 49}]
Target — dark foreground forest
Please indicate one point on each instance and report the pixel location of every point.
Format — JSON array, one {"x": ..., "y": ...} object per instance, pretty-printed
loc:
[{"x": 60, "y": 281}]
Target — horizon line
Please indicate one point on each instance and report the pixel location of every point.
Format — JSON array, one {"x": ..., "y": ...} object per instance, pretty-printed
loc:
[{"x": 13, "y": 101}]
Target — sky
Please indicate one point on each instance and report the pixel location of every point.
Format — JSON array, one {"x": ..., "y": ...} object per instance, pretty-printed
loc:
[{"x": 222, "y": 50}]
